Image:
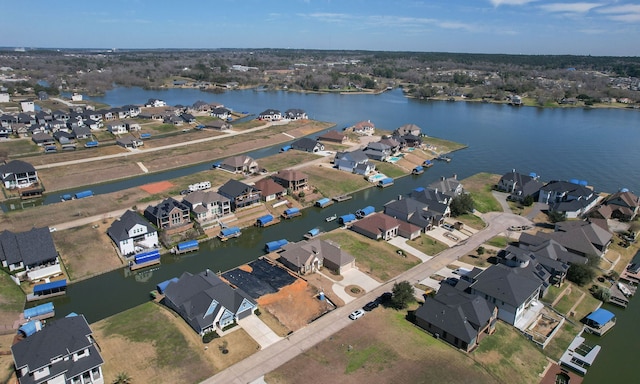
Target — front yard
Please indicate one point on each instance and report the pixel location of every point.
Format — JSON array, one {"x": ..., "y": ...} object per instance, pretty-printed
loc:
[
  {"x": 331, "y": 182},
  {"x": 428, "y": 245},
  {"x": 480, "y": 186}
]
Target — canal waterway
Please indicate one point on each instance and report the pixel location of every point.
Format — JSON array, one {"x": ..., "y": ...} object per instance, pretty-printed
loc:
[{"x": 597, "y": 145}]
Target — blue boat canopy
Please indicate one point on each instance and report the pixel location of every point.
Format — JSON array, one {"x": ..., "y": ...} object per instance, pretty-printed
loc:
[
  {"x": 230, "y": 231},
  {"x": 275, "y": 245},
  {"x": 600, "y": 317},
  {"x": 291, "y": 211},
  {"x": 314, "y": 232},
  {"x": 347, "y": 218},
  {"x": 187, "y": 244},
  {"x": 285, "y": 148},
  {"x": 323, "y": 202},
  {"x": 30, "y": 328},
  {"x": 162, "y": 286},
  {"x": 39, "y": 310},
  {"x": 264, "y": 219},
  {"x": 54, "y": 285},
  {"x": 419, "y": 189},
  {"x": 147, "y": 256}
]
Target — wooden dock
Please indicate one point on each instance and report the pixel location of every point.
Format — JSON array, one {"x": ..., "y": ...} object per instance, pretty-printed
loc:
[
  {"x": 134, "y": 267},
  {"x": 621, "y": 296},
  {"x": 341, "y": 198}
]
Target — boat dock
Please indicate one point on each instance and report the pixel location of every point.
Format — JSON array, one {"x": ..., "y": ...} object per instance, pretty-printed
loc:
[
  {"x": 621, "y": 294},
  {"x": 135, "y": 266},
  {"x": 185, "y": 247},
  {"x": 324, "y": 202},
  {"x": 599, "y": 322},
  {"x": 443, "y": 158},
  {"x": 46, "y": 290},
  {"x": 228, "y": 233},
  {"x": 341, "y": 198},
  {"x": 291, "y": 213},
  {"x": 312, "y": 233}
]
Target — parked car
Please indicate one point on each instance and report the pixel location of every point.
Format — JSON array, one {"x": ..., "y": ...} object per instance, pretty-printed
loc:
[
  {"x": 385, "y": 297},
  {"x": 355, "y": 315},
  {"x": 448, "y": 227},
  {"x": 370, "y": 306}
]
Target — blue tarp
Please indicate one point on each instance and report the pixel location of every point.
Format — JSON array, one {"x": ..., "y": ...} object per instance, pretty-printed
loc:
[
  {"x": 365, "y": 211},
  {"x": 145, "y": 135},
  {"x": 285, "y": 148},
  {"x": 39, "y": 310},
  {"x": 418, "y": 168},
  {"x": 52, "y": 286},
  {"x": 147, "y": 256},
  {"x": 275, "y": 245},
  {"x": 262, "y": 221},
  {"x": 187, "y": 244},
  {"x": 419, "y": 189},
  {"x": 600, "y": 317},
  {"x": 347, "y": 218},
  {"x": 322, "y": 202},
  {"x": 230, "y": 231},
  {"x": 162, "y": 286},
  {"x": 30, "y": 328}
]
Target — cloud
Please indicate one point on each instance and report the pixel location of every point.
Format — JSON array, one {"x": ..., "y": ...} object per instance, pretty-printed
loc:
[
  {"x": 629, "y": 13},
  {"x": 497, "y": 3},
  {"x": 570, "y": 7}
]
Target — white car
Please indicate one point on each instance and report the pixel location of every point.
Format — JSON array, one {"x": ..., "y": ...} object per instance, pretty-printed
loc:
[
  {"x": 355, "y": 315},
  {"x": 52, "y": 229}
]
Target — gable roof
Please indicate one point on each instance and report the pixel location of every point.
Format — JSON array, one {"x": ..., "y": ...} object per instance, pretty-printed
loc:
[
  {"x": 510, "y": 285},
  {"x": 234, "y": 188},
  {"x": 304, "y": 251},
  {"x": 377, "y": 223},
  {"x": 16, "y": 166},
  {"x": 204, "y": 197},
  {"x": 306, "y": 143},
  {"x": 119, "y": 229},
  {"x": 269, "y": 187},
  {"x": 237, "y": 161},
  {"x": 31, "y": 247},
  {"x": 332, "y": 135},
  {"x": 290, "y": 175},
  {"x": 593, "y": 232},
  {"x": 165, "y": 207}
]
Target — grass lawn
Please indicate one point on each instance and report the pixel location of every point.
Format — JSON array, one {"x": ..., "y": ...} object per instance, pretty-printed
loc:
[
  {"x": 390, "y": 170},
  {"x": 471, "y": 220},
  {"x": 480, "y": 185},
  {"x": 332, "y": 182},
  {"x": 428, "y": 245},
  {"x": 569, "y": 299},
  {"x": 443, "y": 145},
  {"x": 286, "y": 160},
  {"x": 376, "y": 258},
  {"x": 248, "y": 124},
  {"x": 272, "y": 322},
  {"x": 16, "y": 147},
  {"x": 12, "y": 300},
  {"x": 586, "y": 306},
  {"x": 498, "y": 241},
  {"x": 552, "y": 293},
  {"x": 561, "y": 340},
  {"x": 207, "y": 119},
  {"x": 478, "y": 261}
]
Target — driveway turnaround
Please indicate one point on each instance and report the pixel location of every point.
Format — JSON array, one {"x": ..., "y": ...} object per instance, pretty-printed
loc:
[
  {"x": 353, "y": 277},
  {"x": 259, "y": 331}
]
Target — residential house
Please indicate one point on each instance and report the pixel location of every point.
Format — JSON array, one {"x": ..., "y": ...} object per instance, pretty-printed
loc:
[
  {"x": 520, "y": 186},
  {"x": 188, "y": 118},
  {"x": 132, "y": 110},
  {"x": 306, "y": 257},
  {"x": 292, "y": 179},
  {"x": 408, "y": 129},
  {"x": 206, "y": 302},
  {"x": 221, "y": 113},
  {"x": 169, "y": 214},
  {"x": 173, "y": 119},
  {"x": 43, "y": 139},
  {"x": 132, "y": 125},
  {"x": 414, "y": 212},
  {"x": 377, "y": 151},
  {"x": 354, "y": 162},
  {"x": 270, "y": 115},
  {"x": 63, "y": 351},
  {"x": 333, "y": 136},
  {"x": 129, "y": 141},
  {"x": 548, "y": 255},
  {"x": 26, "y": 118},
  {"x": 27, "y": 106},
  {"x": 33, "y": 251},
  {"x": 61, "y": 115},
  {"x": 410, "y": 141},
  {"x": 240, "y": 194},
  {"x": 308, "y": 145},
  {"x": 392, "y": 143},
  {"x": 201, "y": 106},
  {"x": 364, "y": 128},
  {"x": 459, "y": 318},
  {"x": 573, "y": 198},
  {"x": 83, "y": 132},
  {"x": 270, "y": 190},
  {"x": 448, "y": 186},
  {"x": 132, "y": 232},
  {"x": 117, "y": 127},
  {"x": 240, "y": 164},
  {"x": 155, "y": 103},
  {"x": 207, "y": 206},
  {"x": 64, "y": 137},
  {"x": 18, "y": 174},
  {"x": 377, "y": 227},
  {"x": 218, "y": 125},
  {"x": 512, "y": 290},
  {"x": 295, "y": 114},
  {"x": 623, "y": 205}
]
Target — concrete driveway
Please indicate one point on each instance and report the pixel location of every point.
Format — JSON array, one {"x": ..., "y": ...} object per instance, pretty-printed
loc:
[
  {"x": 401, "y": 243},
  {"x": 259, "y": 331},
  {"x": 353, "y": 277}
]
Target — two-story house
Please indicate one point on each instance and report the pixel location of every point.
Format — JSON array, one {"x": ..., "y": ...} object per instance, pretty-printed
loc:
[
  {"x": 207, "y": 206},
  {"x": 292, "y": 179},
  {"x": 133, "y": 231},
  {"x": 240, "y": 194},
  {"x": 169, "y": 214},
  {"x": 18, "y": 174}
]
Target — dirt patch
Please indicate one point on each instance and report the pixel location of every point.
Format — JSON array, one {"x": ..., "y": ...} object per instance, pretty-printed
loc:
[
  {"x": 294, "y": 305},
  {"x": 158, "y": 187},
  {"x": 245, "y": 267}
]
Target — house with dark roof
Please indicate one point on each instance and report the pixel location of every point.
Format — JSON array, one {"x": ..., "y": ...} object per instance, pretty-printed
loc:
[
  {"x": 132, "y": 231},
  {"x": 218, "y": 125},
  {"x": 377, "y": 151},
  {"x": 82, "y": 132},
  {"x": 63, "y": 351},
  {"x": 42, "y": 139},
  {"x": 354, "y": 162},
  {"x": 295, "y": 114},
  {"x": 129, "y": 141},
  {"x": 240, "y": 194},
  {"x": 33, "y": 251},
  {"x": 333, "y": 136},
  {"x": 520, "y": 186},
  {"x": 414, "y": 212},
  {"x": 549, "y": 255},
  {"x": 308, "y": 145},
  {"x": 573, "y": 198},
  {"x": 18, "y": 174},
  {"x": 364, "y": 128},
  {"x": 270, "y": 115},
  {"x": 169, "y": 214},
  {"x": 582, "y": 239},
  {"x": 459, "y": 318},
  {"x": 392, "y": 143},
  {"x": 377, "y": 226},
  {"x": 292, "y": 179},
  {"x": 240, "y": 164},
  {"x": 206, "y": 302},
  {"x": 207, "y": 206},
  {"x": 623, "y": 205},
  {"x": 306, "y": 257},
  {"x": 408, "y": 129},
  {"x": 221, "y": 113},
  {"x": 449, "y": 186},
  {"x": 270, "y": 190}
]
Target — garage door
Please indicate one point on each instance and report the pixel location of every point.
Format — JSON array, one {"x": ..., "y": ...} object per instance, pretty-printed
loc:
[{"x": 245, "y": 313}]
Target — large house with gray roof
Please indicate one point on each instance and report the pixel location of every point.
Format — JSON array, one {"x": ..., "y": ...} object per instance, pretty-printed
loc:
[
  {"x": 622, "y": 205},
  {"x": 241, "y": 195},
  {"x": 414, "y": 212},
  {"x": 169, "y": 214},
  {"x": 64, "y": 351},
  {"x": 459, "y": 318},
  {"x": 570, "y": 198},
  {"x": 518, "y": 185},
  {"x": 355, "y": 162},
  {"x": 306, "y": 257},
  {"x": 206, "y": 302},
  {"x": 133, "y": 232},
  {"x": 33, "y": 251},
  {"x": 449, "y": 186},
  {"x": 18, "y": 174},
  {"x": 207, "y": 206}
]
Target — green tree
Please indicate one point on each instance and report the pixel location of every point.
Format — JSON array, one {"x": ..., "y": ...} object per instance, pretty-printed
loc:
[
  {"x": 602, "y": 294},
  {"x": 461, "y": 204},
  {"x": 402, "y": 295},
  {"x": 580, "y": 274},
  {"x": 122, "y": 378},
  {"x": 480, "y": 250},
  {"x": 527, "y": 201},
  {"x": 555, "y": 216}
]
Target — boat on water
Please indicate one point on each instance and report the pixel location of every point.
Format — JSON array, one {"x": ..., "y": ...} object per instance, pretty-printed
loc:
[
  {"x": 331, "y": 218},
  {"x": 625, "y": 291},
  {"x": 312, "y": 233},
  {"x": 443, "y": 158}
]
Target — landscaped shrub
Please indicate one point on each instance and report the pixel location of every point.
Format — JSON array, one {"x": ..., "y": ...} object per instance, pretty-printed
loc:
[{"x": 207, "y": 337}]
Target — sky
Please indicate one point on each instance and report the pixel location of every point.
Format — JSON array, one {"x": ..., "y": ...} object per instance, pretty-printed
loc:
[{"x": 591, "y": 27}]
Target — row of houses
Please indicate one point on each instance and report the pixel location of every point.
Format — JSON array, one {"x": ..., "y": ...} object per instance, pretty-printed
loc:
[{"x": 276, "y": 115}]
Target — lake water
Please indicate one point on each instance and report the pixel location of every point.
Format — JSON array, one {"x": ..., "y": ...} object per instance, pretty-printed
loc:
[{"x": 597, "y": 145}]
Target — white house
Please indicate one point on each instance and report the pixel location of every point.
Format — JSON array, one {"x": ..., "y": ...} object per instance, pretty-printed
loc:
[
  {"x": 133, "y": 233},
  {"x": 27, "y": 106}
]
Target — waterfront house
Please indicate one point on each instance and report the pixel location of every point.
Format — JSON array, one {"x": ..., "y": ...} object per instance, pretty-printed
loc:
[
  {"x": 295, "y": 114},
  {"x": 18, "y": 174},
  {"x": 414, "y": 212},
  {"x": 548, "y": 255},
  {"x": 270, "y": 190},
  {"x": 221, "y": 113},
  {"x": 520, "y": 186},
  {"x": 354, "y": 162},
  {"x": 408, "y": 129},
  {"x": 308, "y": 145},
  {"x": 201, "y": 106},
  {"x": 270, "y": 115},
  {"x": 392, "y": 143},
  {"x": 43, "y": 139},
  {"x": 132, "y": 232},
  {"x": 206, "y": 302},
  {"x": 333, "y": 137},
  {"x": 377, "y": 226},
  {"x": 459, "y": 318},
  {"x": 32, "y": 251},
  {"x": 169, "y": 214},
  {"x": 364, "y": 128},
  {"x": 448, "y": 186},
  {"x": 239, "y": 164},
  {"x": 622, "y": 205},
  {"x": 207, "y": 206},
  {"x": 218, "y": 125},
  {"x": 63, "y": 351},
  {"x": 292, "y": 179},
  {"x": 377, "y": 151},
  {"x": 240, "y": 194},
  {"x": 572, "y": 198},
  {"x": 307, "y": 257}
]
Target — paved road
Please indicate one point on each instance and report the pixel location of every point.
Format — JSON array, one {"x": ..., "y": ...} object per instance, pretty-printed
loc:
[{"x": 268, "y": 359}]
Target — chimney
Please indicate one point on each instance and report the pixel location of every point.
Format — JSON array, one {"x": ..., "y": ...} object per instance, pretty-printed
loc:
[
  {"x": 455, "y": 177},
  {"x": 399, "y": 197},
  {"x": 441, "y": 178},
  {"x": 513, "y": 170}
]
